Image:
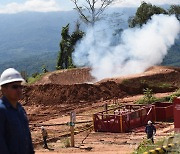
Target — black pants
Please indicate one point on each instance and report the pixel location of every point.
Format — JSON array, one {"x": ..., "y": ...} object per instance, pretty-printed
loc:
[
  {"x": 150, "y": 136},
  {"x": 45, "y": 142}
]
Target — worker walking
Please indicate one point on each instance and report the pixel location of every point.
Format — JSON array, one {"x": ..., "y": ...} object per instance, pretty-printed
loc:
[
  {"x": 44, "y": 135},
  {"x": 15, "y": 136},
  {"x": 150, "y": 131}
]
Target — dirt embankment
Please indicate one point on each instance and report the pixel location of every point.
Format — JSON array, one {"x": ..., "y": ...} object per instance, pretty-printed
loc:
[
  {"x": 67, "y": 77},
  {"x": 159, "y": 79},
  {"x": 50, "y": 94},
  {"x": 52, "y": 98}
]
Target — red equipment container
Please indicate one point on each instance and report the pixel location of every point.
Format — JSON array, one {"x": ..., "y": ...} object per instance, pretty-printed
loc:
[
  {"x": 164, "y": 111},
  {"x": 123, "y": 119},
  {"x": 177, "y": 114}
]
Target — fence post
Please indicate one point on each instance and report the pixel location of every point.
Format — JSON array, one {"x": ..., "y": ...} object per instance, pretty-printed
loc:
[
  {"x": 154, "y": 111},
  {"x": 93, "y": 116},
  {"x": 121, "y": 123},
  {"x": 72, "y": 121},
  {"x": 106, "y": 107}
]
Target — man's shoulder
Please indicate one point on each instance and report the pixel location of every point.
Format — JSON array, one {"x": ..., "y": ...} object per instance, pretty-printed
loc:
[
  {"x": 20, "y": 106},
  {"x": 3, "y": 108},
  {"x": 153, "y": 126},
  {"x": 2, "y": 105}
]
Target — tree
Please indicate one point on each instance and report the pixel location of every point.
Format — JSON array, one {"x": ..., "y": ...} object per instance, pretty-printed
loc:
[
  {"x": 148, "y": 97},
  {"x": 67, "y": 45},
  {"x": 144, "y": 13},
  {"x": 64, "y": 46},
  {"x": 175, "y": 9},
  {"x": 147, "y": 10},
  {"x": 91, "y": 11}
]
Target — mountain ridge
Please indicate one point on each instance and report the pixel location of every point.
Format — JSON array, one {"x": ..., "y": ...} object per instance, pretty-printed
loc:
[{"x": 29, "y": 40}]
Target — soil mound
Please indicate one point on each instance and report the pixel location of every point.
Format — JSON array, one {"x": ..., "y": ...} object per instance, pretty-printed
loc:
[
  {"x": 50, "y": 94},
  {"x": 60, "y": 88},
  {"x": 67, "y": 77}
]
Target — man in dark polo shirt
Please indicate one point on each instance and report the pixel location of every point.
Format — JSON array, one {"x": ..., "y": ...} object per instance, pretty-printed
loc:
[
  {"x": 150, "y": 131},
  {"x": 15, "y": 137}
]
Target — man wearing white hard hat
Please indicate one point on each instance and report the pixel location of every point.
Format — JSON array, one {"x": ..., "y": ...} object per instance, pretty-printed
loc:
[
  {"x": 15, "y": 136},
  {"x": 150, "y": 131}
]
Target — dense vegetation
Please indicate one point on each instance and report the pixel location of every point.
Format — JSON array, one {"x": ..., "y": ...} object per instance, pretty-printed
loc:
[
  {"x": 146, "y": 10},
  {"x": 67, "y": 46}
]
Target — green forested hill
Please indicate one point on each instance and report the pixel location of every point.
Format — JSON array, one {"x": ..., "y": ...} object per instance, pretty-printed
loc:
[
  {"x": 30, "y": 40},
  {"x": 173, "y": 56}
]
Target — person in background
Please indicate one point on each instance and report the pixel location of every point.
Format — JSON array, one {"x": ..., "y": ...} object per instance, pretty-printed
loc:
[
  {"x": 44, "y": 135},
  {"x": 150, "y": 131},
  {"x": 15, "y": 136}
]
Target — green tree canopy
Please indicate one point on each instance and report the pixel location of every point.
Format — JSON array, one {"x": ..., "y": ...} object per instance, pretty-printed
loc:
[
  {"x": 67, "y": 46},
  {"x": 175, "y": 9},
  {"x": 144, "y": 13}
]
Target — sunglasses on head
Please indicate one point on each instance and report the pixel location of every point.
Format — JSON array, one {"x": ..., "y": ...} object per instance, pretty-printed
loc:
[{"x": 16, "y": 86}]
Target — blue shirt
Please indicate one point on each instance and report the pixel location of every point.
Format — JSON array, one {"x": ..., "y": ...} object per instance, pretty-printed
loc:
[
  {"x": 150, "y": 129},
  {"x": 15, "y": 137}
]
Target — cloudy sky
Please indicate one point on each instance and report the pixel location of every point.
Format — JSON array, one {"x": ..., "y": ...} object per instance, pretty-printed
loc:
[{"x": 15, "y": 6}]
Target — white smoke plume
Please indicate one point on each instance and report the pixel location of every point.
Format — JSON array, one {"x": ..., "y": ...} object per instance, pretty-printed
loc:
[{"x": 137, "y": 50}]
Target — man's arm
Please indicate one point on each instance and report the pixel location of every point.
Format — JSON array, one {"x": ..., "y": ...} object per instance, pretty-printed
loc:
[
  {"x": 146, "y": 130},
  {"x": 30, "y": 138},
  {"x": 154, "y": 129},
  {"x": 3, "y": 145},
  {"x": 31, "y": 145}
]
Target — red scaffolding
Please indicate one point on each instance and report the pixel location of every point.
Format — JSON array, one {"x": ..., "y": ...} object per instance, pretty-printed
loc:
[
  {"x": 164, "y": 111},
  {"x": 124, "y": 118}
]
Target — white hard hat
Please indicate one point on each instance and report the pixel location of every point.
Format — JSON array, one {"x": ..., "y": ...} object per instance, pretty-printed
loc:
[
  {"x": 10, "y": 75},
  {"x": 149, "y": 122},
  {"x": 42, "y": 127}
]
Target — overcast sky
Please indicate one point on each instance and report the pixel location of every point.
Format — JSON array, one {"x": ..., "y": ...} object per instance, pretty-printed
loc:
[{"x": 15, "y": 6}]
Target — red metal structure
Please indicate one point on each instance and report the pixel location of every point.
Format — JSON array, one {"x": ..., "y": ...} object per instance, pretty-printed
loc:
[
  {"x": 176, "y": 105},
  {"x": 164, "y": 111},
  {"x": 123, "y": 119}
]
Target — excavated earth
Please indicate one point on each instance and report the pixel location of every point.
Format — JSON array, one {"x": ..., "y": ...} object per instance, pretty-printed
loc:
[
  {"x": 64, "y": 87},
  {"x": 60, "y": 92},
  {"x": 51, "y": 99}
]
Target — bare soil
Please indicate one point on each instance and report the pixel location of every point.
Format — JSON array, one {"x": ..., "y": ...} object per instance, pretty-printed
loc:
[
  {"x": 88, "y": 141},
  {"x": 67, "y": 77},
  {"x": 49, "y": 102}
]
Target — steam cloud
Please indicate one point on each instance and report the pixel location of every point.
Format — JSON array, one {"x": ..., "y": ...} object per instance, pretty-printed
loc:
[{"x": 137, "y": 50}]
